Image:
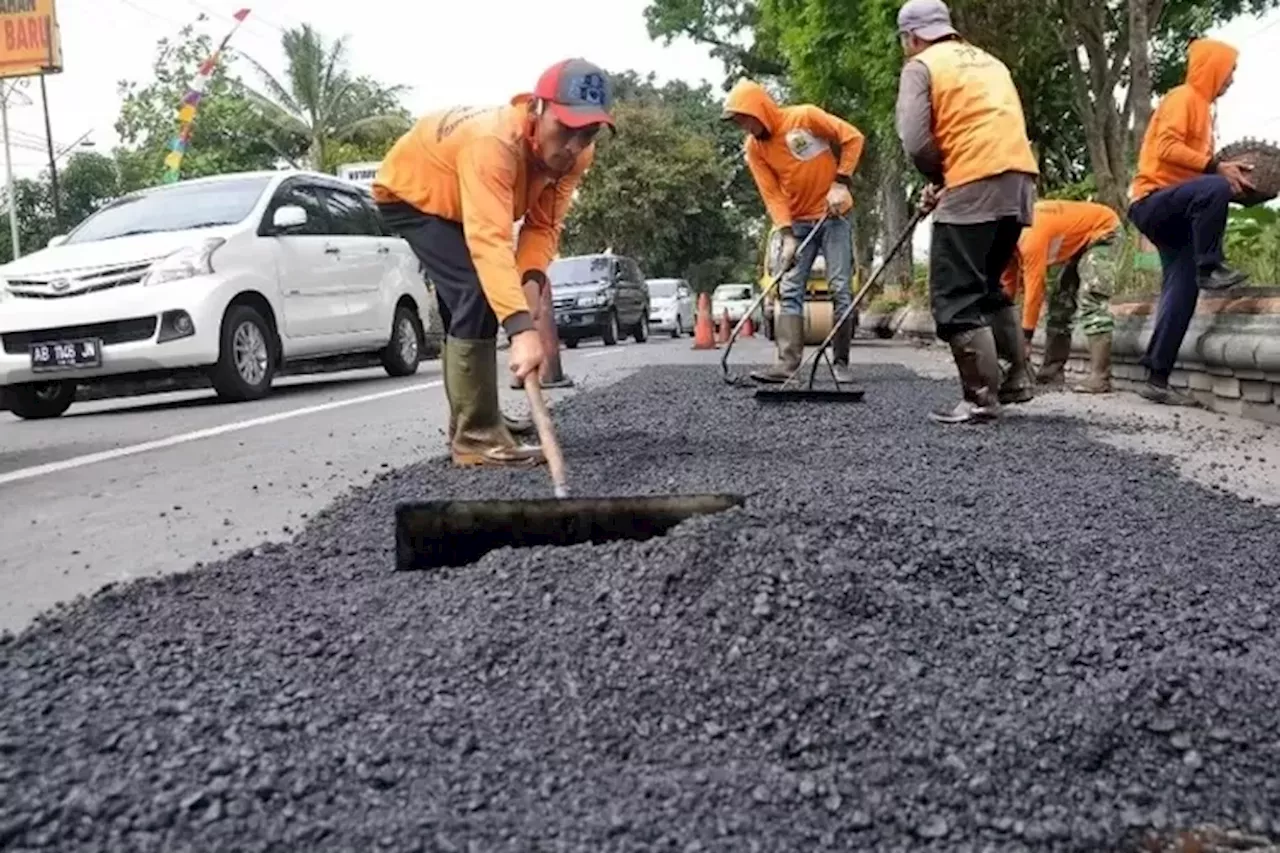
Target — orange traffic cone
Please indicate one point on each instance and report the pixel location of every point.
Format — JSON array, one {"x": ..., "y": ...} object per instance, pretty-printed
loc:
[
  {"x": 724, "y": 329},
  {"x": 748, "y": 328},
  {"x": 703, "y": 334}
]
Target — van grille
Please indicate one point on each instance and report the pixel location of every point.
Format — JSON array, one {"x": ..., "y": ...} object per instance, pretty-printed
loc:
[
  {"x": 111, "y": 332},
  {"x": 61, "y": 285}
]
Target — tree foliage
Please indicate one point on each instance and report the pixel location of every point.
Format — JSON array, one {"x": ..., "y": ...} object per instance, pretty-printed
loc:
[
  {"x": 229, "y": 134},
  {"x": 320, "y": 105},
  {"x": 662, "y": 190},
  {"x": 1086, "y": 69},
  {"x": 85, "y": 183}
]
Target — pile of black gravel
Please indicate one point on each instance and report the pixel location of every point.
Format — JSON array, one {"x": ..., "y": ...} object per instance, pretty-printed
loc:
[{"x": 912, "y": 637}]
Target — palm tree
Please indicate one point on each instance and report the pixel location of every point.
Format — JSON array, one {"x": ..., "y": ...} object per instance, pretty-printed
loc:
[{"x": 322, "y": 103}]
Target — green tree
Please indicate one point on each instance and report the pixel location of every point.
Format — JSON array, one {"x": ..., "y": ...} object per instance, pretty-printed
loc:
[
  {"x": 85, "y": 183},
  {"x": 320, "y": 104},
  {"x": 658, "y": 192},
  {"x": 228, "y": 136}
]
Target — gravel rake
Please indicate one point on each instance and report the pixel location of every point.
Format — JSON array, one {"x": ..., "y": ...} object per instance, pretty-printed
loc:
[
  {"x": 840, "y": 394},
  {"x": 435, "y": 534},
  {"x": 746, "y": 381}
]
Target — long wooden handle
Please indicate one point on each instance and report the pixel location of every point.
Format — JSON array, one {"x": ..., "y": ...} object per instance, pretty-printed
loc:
[{"x": 546, "y": 434}]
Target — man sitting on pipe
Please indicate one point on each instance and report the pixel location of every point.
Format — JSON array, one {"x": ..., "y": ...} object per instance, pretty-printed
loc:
[
  {"x": 790, "y": 153},
  {"x": 1084, "y": 238},
  {"x": 453, "y": 187}
]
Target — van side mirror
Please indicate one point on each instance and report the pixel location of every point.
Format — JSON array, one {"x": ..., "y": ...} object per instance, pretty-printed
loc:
[
  {"x": 288, "y": 217},
  {"x": 56, "y": 240}
]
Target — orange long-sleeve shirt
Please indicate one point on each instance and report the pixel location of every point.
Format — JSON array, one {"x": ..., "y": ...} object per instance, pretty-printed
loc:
[
  {"x": 795, "y": 166},
  {"x": 1059, "y": 230},
  {"x": 475, "y": 166},
  {"x": 1178, "y": 144}
]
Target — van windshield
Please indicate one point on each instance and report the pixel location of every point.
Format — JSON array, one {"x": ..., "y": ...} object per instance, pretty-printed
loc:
[
  {"x": 662, "y": 287},
  {"x": 174, "y": 208},
  {"x": 732, "y": 291},
  {"x": 567, "y": 272}
]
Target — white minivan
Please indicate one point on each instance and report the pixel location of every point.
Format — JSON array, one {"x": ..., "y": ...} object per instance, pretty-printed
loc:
[{"x": 230, "y": 276}]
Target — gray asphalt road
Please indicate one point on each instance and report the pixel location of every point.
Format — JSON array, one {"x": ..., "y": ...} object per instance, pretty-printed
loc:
[{"x": 126, "y": 488}]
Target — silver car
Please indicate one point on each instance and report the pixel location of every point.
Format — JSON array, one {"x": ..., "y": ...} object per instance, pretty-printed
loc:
[{"x": 671, "y": 307}]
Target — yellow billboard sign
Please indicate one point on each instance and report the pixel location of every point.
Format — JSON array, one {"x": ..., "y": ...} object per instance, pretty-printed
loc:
[{"x": 29, "y": 39}]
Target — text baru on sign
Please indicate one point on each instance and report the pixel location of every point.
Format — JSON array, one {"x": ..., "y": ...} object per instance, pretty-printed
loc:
[{"x": 29, "y": 39}]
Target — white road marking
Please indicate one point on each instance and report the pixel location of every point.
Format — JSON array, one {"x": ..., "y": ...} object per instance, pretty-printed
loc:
[{"x": 184, "y": 438}]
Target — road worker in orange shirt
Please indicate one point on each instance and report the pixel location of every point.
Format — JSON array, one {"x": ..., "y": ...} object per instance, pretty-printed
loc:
[
  {"x": 453, "y": 187},
  {"x": 802, "y": 159},
  {"x": 1084, "y": 238},
  {"x": 961, "y": 124}
]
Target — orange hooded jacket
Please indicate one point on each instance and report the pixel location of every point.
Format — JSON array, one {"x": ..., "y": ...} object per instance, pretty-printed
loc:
[
  {"x": 1178, "y": 144},
  {"x": 795, "y": 166},
  {"x": 1058, "y": 232},
  {"x": 475, "y": 166}
]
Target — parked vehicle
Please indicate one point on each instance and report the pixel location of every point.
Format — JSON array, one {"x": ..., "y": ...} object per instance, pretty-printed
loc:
[
  {"x": 599, "y": 296},
  {"x": 230, "y": 276},
  {"x": 671, "y": 307},
  {"x": 734, "y": 299}
]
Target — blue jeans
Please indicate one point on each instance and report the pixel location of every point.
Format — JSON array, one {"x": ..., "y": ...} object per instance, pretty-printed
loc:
[
  {"x": 1186, "y": 222},
  {"x": 836, "y": 243}
]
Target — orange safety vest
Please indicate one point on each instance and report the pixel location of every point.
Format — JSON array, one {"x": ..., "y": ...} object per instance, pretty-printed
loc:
[{"x": 977, "y": 116}]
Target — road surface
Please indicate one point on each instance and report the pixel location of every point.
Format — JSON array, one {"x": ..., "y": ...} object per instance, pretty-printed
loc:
[{"x": 128, "y": 488}]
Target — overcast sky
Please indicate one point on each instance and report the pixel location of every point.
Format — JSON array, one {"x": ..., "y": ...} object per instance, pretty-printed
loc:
[{"x": 454, "y": 52}]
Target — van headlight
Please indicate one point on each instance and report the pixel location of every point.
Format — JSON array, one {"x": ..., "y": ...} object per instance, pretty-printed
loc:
[
  {"x": 601, "y": 298},
  {"x": 187, "y": 262}
]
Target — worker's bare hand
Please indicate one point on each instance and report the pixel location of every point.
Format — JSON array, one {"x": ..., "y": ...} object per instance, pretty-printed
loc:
[
  {"x": 1236, "y": 174},
  {"x": 525, "y": 354},
  {"x": 929, "y": 198},
  {"x": 839, "y": 199}
]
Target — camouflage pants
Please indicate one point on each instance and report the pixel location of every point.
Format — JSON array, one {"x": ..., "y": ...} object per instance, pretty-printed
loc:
[{"x": 1082, "y": 293}]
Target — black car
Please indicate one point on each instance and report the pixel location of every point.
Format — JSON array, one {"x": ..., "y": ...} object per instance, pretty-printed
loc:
[{"x": 599, "y": 296}]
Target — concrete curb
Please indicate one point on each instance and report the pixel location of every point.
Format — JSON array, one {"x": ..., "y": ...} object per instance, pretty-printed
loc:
[{"x": 1229, "y": 360}]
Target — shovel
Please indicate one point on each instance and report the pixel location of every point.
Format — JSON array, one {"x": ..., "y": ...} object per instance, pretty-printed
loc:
[
  {"x": 741, "y": 381},
  {"x": 783, "y": 394},
  {"x": 434, "y": 534}
]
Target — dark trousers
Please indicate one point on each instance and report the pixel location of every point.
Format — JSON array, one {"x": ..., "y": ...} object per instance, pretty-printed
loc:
[
  {"x": 1186, "y": 223},
  {"x": 965, "y": 265},
  {"x": 441, "y": 246}
]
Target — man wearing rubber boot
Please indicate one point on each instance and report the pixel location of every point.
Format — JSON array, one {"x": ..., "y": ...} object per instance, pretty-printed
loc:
[
  {"x": 1084, "y": 238},
  {"x": 1179, "y": 201},
  {"x": 453, "y": 187},
  {"x": 802, "y": 159},
  {"x": 961, "y": 123}
]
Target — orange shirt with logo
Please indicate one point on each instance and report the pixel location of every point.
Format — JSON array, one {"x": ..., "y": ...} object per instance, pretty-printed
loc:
[
  {"x": 977, "y": 117},
  {"x": 475, "y": 166},
  {"x": 795, "y": 167}
]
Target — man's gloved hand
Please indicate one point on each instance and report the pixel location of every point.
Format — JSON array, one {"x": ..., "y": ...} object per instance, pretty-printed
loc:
[
  {"x": 790, "y": 245},
  {"x": 533, "y": 284},
  {"x": 929, "y": 198},
  {"x": 839, "y": 199},
  {"x": 526, "y": 353}
]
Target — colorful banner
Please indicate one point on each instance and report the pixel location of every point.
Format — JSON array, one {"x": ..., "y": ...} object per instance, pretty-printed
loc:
[
  {"x": 29, "y": 40},
  {"x": 191, "y": 102}
]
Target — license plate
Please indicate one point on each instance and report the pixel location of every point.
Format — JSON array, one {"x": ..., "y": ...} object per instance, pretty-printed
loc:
[{"x": 66, "y": 355}]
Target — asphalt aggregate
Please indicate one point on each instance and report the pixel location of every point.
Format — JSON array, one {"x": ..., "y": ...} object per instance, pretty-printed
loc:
[{"x": 912, "y": 637}]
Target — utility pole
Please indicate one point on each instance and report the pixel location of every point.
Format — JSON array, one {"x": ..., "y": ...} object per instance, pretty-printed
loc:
[
  {"x": 10, "y": 189},
  {"x": 53, "y": 162}
]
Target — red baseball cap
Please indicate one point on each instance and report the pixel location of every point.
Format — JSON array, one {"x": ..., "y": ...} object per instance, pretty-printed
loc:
[{"x": 577, "y": 93}]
